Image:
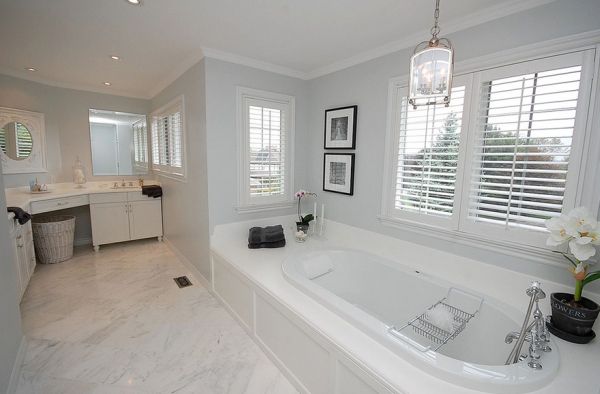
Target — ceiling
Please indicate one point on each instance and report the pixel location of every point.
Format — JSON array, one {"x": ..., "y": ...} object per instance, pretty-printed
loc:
[{"x": 69, "y": 42}]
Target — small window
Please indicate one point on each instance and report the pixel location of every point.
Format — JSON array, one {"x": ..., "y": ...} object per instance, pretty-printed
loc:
[
  {"x": 266, "y": 124},
  {"x": 168, "y": 140},
  {"x": 140, "y": 144}
]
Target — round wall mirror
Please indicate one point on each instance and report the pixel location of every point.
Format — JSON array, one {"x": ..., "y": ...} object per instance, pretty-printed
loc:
[{"x": 16, "y": 140}]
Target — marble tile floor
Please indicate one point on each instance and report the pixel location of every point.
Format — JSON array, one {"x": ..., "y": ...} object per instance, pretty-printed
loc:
[{"x": 116, "y": 322}]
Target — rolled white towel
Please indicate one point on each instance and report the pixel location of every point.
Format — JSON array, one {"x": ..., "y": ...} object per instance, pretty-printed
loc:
[{"x": 316, "y": 267}]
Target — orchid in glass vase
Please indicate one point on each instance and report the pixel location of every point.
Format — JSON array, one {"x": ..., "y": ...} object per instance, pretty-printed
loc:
[
  {"x": 303, "y": 221},
  {"x": 578, "y": 234}
]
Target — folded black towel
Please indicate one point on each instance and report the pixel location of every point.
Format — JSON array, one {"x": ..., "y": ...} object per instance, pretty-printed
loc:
[
  {"x": 20, "y": 215},
  {"x": 277, "y": 244},
  {"x": 152, "y": 191},
  {"x": 266, "y": 237}
]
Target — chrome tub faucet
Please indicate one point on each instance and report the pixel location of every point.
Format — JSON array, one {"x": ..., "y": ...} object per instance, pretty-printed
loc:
[{"x": 535, "y": 333}]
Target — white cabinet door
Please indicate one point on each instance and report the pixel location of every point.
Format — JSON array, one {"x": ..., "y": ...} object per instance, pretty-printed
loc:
[
  {"x": 145, "y": 218},
  {"x": 110, "y": 223}
]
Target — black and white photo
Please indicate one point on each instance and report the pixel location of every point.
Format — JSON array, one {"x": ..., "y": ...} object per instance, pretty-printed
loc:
[
  {"x": 340, "y": 128},
  {"x": 338, "y": 173}
]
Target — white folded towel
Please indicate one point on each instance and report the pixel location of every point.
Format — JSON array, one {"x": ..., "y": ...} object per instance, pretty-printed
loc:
[{"x": 316, "y": 267}]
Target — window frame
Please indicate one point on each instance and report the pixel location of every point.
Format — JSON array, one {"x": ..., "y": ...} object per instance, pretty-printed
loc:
[
  {"x": 285, "y": 103},
  {"x": 463, "y": 230},
  {"x": 173, "y": 106}
]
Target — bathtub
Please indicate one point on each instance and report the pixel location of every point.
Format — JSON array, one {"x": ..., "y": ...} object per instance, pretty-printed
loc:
[{"x": 381, "y": 297}]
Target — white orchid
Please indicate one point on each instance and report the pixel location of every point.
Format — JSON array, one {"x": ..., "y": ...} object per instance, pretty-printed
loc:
[{"x": 579, "y": 229}]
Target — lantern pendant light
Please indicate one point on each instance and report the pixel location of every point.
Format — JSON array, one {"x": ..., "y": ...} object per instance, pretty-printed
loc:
[{"x": 431, "y": 69}]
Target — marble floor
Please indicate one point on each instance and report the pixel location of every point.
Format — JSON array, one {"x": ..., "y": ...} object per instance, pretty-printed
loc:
[{"x": 116, "y": 322}]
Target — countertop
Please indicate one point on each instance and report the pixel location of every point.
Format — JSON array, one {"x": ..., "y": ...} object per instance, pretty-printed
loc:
[
  {"x": 21, "y": 197},
  {"x": 578, "y": 371}
]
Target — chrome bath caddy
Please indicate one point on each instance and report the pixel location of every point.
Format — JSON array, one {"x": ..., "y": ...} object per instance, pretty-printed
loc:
[{"x": 438, "y": 336}]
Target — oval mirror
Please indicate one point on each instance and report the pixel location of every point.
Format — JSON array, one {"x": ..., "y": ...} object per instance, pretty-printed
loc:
[{"x": 16, "y": 140}]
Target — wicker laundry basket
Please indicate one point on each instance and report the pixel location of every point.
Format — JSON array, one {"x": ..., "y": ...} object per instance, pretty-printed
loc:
[{"x": 53, "y": 238}]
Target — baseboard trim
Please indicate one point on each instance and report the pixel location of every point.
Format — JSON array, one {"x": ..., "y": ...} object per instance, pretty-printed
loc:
[
  {"x": 16, "y": 371},
  {"x": 197, "y": 274}
]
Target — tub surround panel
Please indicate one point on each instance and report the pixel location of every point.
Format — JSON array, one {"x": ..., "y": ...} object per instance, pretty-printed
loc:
[
  {"x": 234, "y": 292},
  {"x": 262, "y": 268},
  {"x": 298, "y": 351}
]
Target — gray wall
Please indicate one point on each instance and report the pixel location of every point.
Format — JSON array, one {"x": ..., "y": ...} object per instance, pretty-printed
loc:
[
  {"x": 67, "y": 124},
  {"x": 185, "y": 204},
  {"x": 221, "y": 81},
  {"x": 366, "y": 85},
  {"x": 10, "y": 317}
]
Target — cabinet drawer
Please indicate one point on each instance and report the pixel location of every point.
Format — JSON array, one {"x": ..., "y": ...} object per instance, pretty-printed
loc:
[
  {"x": 58, "y": 203},
  {"x": 138, "y": 196},
  {"x": 108, "y": 197}
]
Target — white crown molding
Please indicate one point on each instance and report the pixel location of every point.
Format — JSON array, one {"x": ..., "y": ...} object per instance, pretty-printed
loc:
[
  {"x": 465, "y": 22},
  {"x": 28, "y": 76},
  {"x": 254, "y": 63},
  {"x": 175, "y": 73}
]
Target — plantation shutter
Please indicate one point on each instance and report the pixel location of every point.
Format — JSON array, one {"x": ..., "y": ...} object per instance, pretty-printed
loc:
[
  {"x": 267, "y": 146},
  {"x": 168, "y": 141},
  {"x": 526, "y": 124},
  {"x": 140, "y": 144},
  {"x": 3, "y": 132},
  {"x": 24, "y": 141},
  {"x": 428, "y": 155}
]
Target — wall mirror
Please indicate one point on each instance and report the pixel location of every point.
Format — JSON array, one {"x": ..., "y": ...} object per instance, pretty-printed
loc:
[
  {"x": 22, "y": 141},
  {"x": 119, "y": 143}
]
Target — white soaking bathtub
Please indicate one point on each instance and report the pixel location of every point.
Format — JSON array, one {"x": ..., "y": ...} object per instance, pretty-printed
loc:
[{"x": 381, "y": 296}]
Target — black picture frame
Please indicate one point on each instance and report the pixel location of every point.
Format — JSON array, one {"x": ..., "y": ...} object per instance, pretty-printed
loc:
[
  {"x": 347, "y": 126},
  {"x": 348, "y": 179}
]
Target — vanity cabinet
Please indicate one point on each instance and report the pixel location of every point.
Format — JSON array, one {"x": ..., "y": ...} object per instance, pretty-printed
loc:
[
  {"x": 119, "y": 217},
  {"x": 22, "y": 242}
]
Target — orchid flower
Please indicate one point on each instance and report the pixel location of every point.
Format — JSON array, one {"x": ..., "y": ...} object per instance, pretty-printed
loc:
[{"x": 578, "y": 230}]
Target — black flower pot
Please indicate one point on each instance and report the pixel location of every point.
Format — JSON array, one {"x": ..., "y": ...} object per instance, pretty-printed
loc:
[
  {"x": 576, "y": 320},
  {"x": 302, "y": 227}
]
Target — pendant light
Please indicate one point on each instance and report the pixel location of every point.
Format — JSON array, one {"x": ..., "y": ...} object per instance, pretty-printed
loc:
[{"x": 431, "y": 69}]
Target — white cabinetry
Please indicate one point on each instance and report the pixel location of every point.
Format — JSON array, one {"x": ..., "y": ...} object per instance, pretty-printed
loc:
[
  {"x": 118, "y": 217},
  {"x": 22, "y": 241}
]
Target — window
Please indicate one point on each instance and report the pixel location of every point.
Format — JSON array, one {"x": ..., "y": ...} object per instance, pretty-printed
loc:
[
  {"x": 265, "y": 127},
  {"x": 428, "y": 156},
  {"x": 501, "y": 159},
  {"x": 168, "y": 140},
  {"x": 140, "y": 145}
]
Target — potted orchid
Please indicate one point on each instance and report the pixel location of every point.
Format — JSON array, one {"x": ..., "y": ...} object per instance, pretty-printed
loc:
[
  {"x": 303, "y": 222},
  {"x": 576, "y": 234}
]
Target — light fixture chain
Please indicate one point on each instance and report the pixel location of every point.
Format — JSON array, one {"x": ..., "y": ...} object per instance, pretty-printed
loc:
[{"x": 435, "y": 30}]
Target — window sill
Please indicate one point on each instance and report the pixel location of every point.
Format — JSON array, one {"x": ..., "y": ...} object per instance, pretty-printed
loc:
[
  {"x": 251, "y": 208},
  {"x": 174, "y": 177},
  {"x": 532, "y": 253}
]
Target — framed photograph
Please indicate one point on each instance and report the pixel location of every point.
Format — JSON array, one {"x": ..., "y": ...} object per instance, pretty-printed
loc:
[
  {"x": 338, "y": 173},
  {"x": 340, "y": 128}
]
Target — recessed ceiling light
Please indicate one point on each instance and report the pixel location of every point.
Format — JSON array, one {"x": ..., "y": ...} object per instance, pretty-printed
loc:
[
  {"x": 31, "y": 69},
  {"x": 107, "y": 83},
  {"x": 135, "y": 2},
  {"x": 115, "y": 57}
]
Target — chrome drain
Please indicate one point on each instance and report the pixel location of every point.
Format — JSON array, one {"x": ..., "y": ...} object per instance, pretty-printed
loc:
[{"x": 182, "y": 281}]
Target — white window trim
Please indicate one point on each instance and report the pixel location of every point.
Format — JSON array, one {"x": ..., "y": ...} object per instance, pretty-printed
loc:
[
  {"x": 176, "y": 103},
  {"x": 244, "y": 203},
  {"x": 587, "y": 193}
]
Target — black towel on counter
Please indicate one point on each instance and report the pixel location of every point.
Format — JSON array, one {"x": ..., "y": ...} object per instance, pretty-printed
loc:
[
  {"x": 266, "y": 237},
  {"x": 277, "y": 244},
  {"x": 20, "y": 215},
  {"x": 152, "y": 191}
]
